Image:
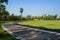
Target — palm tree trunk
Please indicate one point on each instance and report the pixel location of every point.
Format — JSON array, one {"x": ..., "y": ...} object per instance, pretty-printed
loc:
[{"x": 21, "y": 16}]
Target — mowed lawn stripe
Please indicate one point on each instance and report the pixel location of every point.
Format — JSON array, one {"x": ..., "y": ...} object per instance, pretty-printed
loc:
[{"x": 53, "y": 24}]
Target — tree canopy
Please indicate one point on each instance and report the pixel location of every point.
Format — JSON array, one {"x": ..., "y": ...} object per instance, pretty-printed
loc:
[{"x": 4, "y": 1}]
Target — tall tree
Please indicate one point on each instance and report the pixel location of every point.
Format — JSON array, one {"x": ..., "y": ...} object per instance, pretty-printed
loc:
[
  {"x": 21, "y": 11},
  {"x": 28, "y": 17},
  {"x": 2, "y": 1},
  {"x": 2, "y": 6},
  {"x": 55, "y": 16}
]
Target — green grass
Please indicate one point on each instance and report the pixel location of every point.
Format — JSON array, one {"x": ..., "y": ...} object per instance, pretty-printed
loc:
[
  {"x": 1, "y": 22},
  {"x": 5, "y": 36},
  {"x": 52, "y": 24}
]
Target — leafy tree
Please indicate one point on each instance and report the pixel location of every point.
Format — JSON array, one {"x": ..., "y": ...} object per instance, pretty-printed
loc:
[
  {"x": 55, "y": 16},
  {"x": 2, "y": 7},
  {"x": 2, "y": 1},
  {"x": 35, "y": 17},
  {"x": 28, "y": 17},
  {"x": 39, "y": 17}
]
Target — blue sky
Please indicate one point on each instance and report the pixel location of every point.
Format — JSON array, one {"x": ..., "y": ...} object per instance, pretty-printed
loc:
[{"x": 34, "y": 7}]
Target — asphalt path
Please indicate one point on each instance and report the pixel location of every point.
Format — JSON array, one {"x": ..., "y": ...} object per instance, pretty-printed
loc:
[{"x": 27, "y": 33}]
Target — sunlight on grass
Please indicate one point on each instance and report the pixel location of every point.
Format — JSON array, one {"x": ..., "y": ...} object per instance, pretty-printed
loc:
[{"x": 53, "y": 24}]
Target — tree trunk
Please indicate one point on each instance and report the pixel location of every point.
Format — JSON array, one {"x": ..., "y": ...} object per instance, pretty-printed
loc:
[{"x": 21, "y": 16}]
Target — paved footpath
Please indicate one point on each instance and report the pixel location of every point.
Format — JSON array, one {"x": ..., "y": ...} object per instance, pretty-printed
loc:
[{"x": 27, "y": 33}]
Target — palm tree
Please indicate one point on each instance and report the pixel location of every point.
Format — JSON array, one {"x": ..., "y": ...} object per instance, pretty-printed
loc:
[{"x": 21, "y": 11}]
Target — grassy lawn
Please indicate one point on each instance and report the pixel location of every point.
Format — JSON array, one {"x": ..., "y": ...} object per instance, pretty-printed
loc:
[
  {"x": 5, "y": 36},
  {"x": 53, "y": 24}
]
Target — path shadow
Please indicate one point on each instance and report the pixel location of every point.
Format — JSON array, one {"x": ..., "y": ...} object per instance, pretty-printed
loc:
[{"x": 42, "y": 28}]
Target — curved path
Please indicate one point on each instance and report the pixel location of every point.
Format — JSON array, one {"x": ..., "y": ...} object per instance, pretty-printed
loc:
[{"x": 27, "y": 33}]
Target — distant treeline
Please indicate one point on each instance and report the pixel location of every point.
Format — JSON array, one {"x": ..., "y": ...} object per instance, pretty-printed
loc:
[{"x": 6, "y": 16}]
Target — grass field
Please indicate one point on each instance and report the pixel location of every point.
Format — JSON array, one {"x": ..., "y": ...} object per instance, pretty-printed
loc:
[
  {"x": 5, "y": 35},
  {"x": 53, "y": 24}
]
